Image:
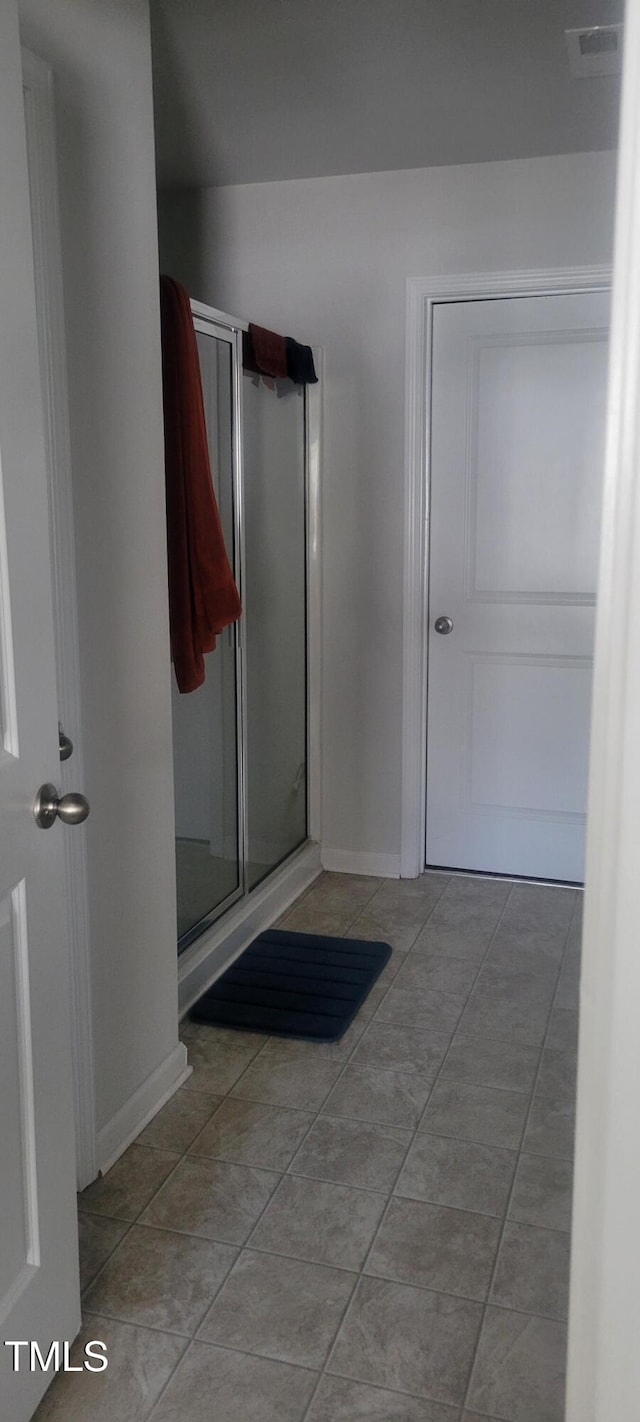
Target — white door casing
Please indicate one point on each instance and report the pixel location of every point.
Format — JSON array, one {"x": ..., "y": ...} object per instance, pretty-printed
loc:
[
  {"x": 39, "y": 1291},
  {"x": 38, "y": 88},
  {"x": 517, "y": 430}
]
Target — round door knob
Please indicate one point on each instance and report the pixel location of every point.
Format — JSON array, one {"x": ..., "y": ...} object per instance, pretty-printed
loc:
[
  {"x": 443, "y": 625},
  {"x": 49, "y": 806},
  {"x": 66, "y": 746}
]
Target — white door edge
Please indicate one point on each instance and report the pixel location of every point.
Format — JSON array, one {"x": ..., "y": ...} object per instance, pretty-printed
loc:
[
  {"x": 422, "y": 294},
  {"x": 604, "y": 1359},
  {"x": 40, "y": 128}
]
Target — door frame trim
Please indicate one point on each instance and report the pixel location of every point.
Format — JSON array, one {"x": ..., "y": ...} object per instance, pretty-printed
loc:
[
  {"x": 423, "y": 293},
  {"x": 37, "y": 78}
]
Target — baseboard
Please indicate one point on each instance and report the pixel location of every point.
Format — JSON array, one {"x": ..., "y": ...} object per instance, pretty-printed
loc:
[
  {"x": 208, "y": 957},
  {"x": 136, "y": 1113},
  {"x": 347, "y": 861}
]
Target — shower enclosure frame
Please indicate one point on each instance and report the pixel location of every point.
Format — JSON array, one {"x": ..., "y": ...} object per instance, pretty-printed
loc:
[{"x": 202, "y": 948}]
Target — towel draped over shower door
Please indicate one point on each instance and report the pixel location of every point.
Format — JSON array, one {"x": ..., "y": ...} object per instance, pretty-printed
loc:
[{"x": 203, "y": 597}]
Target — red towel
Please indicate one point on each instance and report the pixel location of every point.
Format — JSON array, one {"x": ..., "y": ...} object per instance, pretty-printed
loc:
[
  {"x": 203, "y": 597},
  {"x": 270, "y": 352}
]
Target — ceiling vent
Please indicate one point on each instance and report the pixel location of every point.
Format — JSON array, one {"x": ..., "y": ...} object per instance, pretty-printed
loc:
[{"x": 595, "y": 51}]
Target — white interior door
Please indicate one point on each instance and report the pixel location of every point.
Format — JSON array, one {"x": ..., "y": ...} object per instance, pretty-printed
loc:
[
  {"x": 517, "y": 437},
  {"x": 39, "y": 1293}
]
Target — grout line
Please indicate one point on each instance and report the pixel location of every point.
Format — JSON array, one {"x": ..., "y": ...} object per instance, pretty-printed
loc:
[
  {"x": 489, "y": 1304},
  {"x": 453, "y": 1408},
  {"x": 202, "y": 1343},
  {"x": 96, "y": 1276},
  {"x": 459, "y": 1028},
  {"x": 318, "y": 1113},
  {"x": 490, "y": 1284},
  {"x": 356, "y": 1274},
  {"x": 421, "y": 1118}
]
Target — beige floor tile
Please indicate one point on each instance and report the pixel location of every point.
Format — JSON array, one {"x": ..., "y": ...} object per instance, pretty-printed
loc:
[
  {"x": 461, "y": 1174},
  {"x": 470, "y": 904},
  {"x": 542, "y": 1192},
  {"x": 250, "y": 1133},
  {"x": 491, "y": 1063},
  {"x": 427, "y": 971},
  {"x": 429, "y": 885},
  {"x": 372, "y": 1002},
  {"x": 337, "y": 892},
  {"x": 321, "y": 1222},
  {"x": 129, "y": 1185},
  {"x": 532, "y": 1275},
  {"x": 391, "y": 968},
  {"x": 352, "y": 1153},
  {"x": 403, "y": 1350},
  {"x": 339, "y": 1400},
  {"x": 443, "y": 940},
  {"x": 537, "y": 906},
  {"x": 294, "y": 1050},
  {"x": 141, "y": 1361},
  {"x": 214, "y": 1385},
  {"x": 97, "y": 1238},
  {"x": 512, "y": 1017},
  {"x": 519, "y": 1371},
  {"x": 558, "y": 1074},
  {"x": 278, "y": 1081},
  {"x": 532, "y": 946},
  {"x": 563, "y": 1030},
  {"x": 212, "y": 1199},
  {"x": 387, "y": 1097},
  {"x": 408, "y": 1339},
  {"x": 524, "y": 974},
  {"x": 476, "y": 1113},
  {"x": 393, "y": 921},
  {"x": 314, "y": 918},
  {"x": 428, "y": 1008},
  {"x": 160, "y": 1279},
  {"x": 280, "y": 1308},
  {"x": 551, "y": 1127},
  {"x": 475, "y": 892},
  {"x": 464, "y": 920},
  {"x": 180, "y": 1121},
  {"x": 403, "y": 1049},
  {"x": 451, "y": 1251},
  {"x": 219, "y": 1056},
  {"x": 568, "y": 994}
]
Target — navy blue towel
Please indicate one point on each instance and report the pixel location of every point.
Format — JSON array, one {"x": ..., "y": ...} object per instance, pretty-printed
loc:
[{"x": 295, "y": 985}]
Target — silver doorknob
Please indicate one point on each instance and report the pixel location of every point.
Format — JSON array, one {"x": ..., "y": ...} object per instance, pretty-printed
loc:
[
  {"x": 443, "y": 625},
  {"x": 49, "y": 806},
  {"x": 65, "y": 744}
]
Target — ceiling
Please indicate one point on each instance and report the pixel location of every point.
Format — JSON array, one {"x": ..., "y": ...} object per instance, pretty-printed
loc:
[{"x": 252, "y": 91}]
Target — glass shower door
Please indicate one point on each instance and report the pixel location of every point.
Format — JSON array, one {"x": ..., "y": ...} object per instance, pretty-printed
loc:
[
  {"x": 206, "y": 721},
  {"x": 275, "y": 600}
]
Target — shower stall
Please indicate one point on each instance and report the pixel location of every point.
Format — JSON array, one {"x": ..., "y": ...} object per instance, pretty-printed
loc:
[{"x": 243, "y": 741}]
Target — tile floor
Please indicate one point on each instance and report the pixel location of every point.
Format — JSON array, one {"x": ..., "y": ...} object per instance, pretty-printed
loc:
[{"x": 371, "y": 1231}]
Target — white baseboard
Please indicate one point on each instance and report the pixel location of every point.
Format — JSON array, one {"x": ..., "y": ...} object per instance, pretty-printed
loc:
[
  {"x": 347, "y": 861},
  {"x": 136, "y": 1113},
  {"x": 208, "y": 957}
]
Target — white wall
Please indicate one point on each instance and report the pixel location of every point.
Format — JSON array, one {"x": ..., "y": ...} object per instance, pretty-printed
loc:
[
  {"x": 100, "y": 56},
  {"x": 326, "y": 260}
]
